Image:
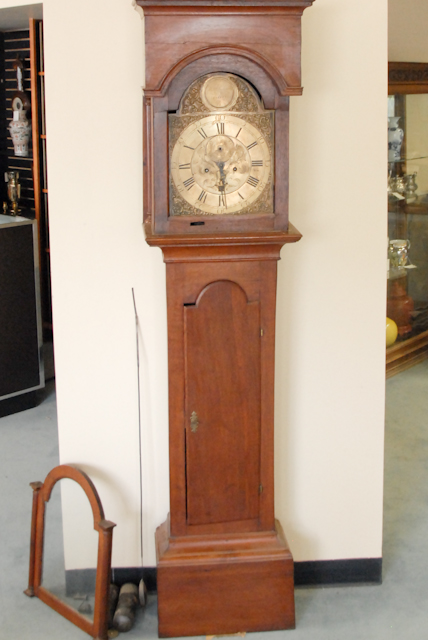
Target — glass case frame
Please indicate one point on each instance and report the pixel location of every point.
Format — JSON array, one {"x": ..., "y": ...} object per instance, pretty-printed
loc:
[{"x": 407, "y": 297}]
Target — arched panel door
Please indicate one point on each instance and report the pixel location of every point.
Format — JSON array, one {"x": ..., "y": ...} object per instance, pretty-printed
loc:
[{"x": 223, "y": 407}]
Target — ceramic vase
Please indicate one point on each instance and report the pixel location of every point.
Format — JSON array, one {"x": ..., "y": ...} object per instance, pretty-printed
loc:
[
  {"x": 20, "y": 130},
  {"x": 395, "y": 139}
]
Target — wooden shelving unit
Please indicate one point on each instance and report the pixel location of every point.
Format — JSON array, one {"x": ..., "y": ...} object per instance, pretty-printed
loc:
[
  {"x": 404, "y": 355},
  {"x": 40, "y": 163},
  {"x": 28, "y": 45}
]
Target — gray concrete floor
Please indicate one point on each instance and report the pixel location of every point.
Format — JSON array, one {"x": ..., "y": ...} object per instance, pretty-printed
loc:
[{"x": 396, "y": 610}]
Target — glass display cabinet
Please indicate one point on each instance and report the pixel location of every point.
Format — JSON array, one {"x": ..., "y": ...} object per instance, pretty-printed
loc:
[{"x": 407, "y": 292}]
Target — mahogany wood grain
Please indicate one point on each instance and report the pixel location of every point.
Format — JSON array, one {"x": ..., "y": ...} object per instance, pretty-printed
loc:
[
  {"x": 189, "y": 271},
  {"x": 221, "y": 585},
  {"x": 403, "y": 355},
  {"x": 41, "y": 495},
  {"x": 221, "y": 59},
  {"x": 223, "y": 564},
  {"x": 407, "y": 78},
  {"x": 36, "y": 486},
  {"x": 260, "y": 41},
  {"x": 221, "y": 299},
  {"x": 238, "y": 6},
  {"x": 156, "y": 174},
  {"x": 222, "y": 392},
  {"x": 273, "y": 241},
  {"x": 269, "y": 37}
]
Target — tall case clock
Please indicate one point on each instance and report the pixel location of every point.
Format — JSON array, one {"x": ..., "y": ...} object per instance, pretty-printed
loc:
[{"x": 219, "y": 74}]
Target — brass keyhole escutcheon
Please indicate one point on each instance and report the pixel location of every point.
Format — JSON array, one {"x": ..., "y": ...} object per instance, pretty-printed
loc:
[{"x": 194, "y": 422}]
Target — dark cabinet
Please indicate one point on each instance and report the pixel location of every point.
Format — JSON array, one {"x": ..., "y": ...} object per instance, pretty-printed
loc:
[{"x": 21, "y": 365}]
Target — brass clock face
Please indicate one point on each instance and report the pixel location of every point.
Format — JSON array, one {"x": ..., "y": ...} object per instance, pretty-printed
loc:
[
  {"x": 221, "y": 159},
  {"x": 220, "y": 164}
]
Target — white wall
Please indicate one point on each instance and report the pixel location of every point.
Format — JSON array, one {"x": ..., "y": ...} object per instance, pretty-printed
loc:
[
  {"x": 331, "y": 306},
  {"x": 331, "y": 311},
  {"x": 94, "y": 77},
  {"x": 408, "y": 26}
]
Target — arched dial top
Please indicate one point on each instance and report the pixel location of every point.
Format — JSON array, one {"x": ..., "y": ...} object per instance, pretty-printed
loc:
[{"x": 221, "y": 156}]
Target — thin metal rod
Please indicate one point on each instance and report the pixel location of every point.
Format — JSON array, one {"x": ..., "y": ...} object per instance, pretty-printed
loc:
[{"x": 139, "y": 423}]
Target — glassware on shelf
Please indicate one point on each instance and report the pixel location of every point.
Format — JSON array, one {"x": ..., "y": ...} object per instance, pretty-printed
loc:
[
  {"x": 395, "y": 139},
  {"x": 398, "y": 252},
  {"x": 411, "y": 186},
  {"x": 400, "y": 185}
]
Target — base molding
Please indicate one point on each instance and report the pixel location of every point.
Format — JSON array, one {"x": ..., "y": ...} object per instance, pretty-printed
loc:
[
  {"x": 306, "y": 574},
  {"x": 216, "y": 585}
]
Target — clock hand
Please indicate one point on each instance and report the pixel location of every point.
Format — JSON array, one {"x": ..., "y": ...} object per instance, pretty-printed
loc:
[
  {"x": 222, "y": 176},
  {"x": 221, "y": 185}
]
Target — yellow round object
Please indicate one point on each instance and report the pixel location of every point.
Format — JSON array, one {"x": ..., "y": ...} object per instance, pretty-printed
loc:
[{"x": 391, "y": 332}]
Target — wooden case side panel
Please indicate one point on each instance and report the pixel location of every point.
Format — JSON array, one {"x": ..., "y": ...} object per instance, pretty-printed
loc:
[
  {"x": 222, "y": 345},
  {"x": 160, "y": 165},
  {"x": 185, "y": 281},
  {"x": 212, "y": 585},
  {"x": 233, "y": 597},
  {"x": 148, "y": 161},
  {"x": 171, "y": 38},
  {"x": 175, "y": 280},
  {"x": 268, "y": 277},
  {"x": 281, "y": 180}
]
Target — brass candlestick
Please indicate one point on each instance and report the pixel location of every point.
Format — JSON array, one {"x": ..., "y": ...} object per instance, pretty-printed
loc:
[{"x": 13, "y": 191}]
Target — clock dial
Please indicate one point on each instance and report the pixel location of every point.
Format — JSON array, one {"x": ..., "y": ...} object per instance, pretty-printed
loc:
[
  {"x": 219, "y": 92},
  {"x": 221, "y": 164}
]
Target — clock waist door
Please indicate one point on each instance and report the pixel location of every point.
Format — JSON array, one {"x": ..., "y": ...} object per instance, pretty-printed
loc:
[{"x": 222, "y": 409}]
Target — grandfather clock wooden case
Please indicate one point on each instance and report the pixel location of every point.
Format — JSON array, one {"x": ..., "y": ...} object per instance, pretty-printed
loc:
[{"x": 219, "y": 74}]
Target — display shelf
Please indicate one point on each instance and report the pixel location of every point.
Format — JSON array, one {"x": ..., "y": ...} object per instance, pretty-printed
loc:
[
  {"x": 403, "y": 355},
  {"x": 407, "y": 291}
]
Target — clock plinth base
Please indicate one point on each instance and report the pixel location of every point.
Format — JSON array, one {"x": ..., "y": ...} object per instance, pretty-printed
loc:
[{"x": 212, "y": 585}]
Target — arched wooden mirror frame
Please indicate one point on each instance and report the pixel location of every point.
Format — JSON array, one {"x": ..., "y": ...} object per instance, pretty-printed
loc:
[{"x": 98, "y": 628}]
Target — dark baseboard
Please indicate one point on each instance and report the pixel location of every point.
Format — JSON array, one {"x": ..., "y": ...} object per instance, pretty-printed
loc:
[
  {"x": 317, "y": 573},
  {"x": 80, "y": 581},
  {"x": 338, "y": 572},
  {"x": 18, "y": 403},
  {"x": 135, "y": 574}
]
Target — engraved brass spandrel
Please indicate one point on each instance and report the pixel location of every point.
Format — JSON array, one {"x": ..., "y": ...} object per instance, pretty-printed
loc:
[{"x": 221, "y": 159}]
